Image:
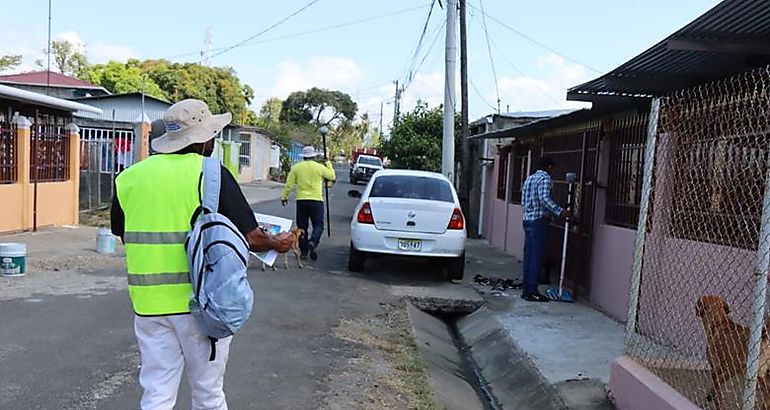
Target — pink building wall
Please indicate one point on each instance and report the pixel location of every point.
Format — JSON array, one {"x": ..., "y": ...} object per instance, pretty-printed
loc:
[
  {"x": 613, "y": 247},
  {"x": 611, "y": 265},
  {"x": 514, "y": 239}
]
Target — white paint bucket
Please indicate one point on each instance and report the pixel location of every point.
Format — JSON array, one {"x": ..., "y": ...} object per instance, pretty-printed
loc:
[
  {"x": 105, "y": 241},
  {"x": 13, "y": 259}
]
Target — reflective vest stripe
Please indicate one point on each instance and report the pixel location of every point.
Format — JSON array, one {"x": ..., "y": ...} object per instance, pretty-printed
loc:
[
  {"x": 155, "y": 238},
  {"x": 158, "y": 279}
]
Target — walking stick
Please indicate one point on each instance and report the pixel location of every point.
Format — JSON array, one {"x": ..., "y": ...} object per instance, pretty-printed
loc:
[{"x": 324, "y": 130}]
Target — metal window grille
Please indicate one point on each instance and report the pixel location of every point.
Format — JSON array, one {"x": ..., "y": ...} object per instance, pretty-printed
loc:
[
  {"x": 624, "y": 193},
  {"x": 697, "y": 317},
  {"x": 50, "y": 150},
  {"x": 106, "y": 152},
  {"x": 103, "y": 155},
  {"x": 245, "y": 151},
  {"x": 502, "y": 172},
  {"x": 519, "y": 174},
  {"x": 8, "y": 153}
]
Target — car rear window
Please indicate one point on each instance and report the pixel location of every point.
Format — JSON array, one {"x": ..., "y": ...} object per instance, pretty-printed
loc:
[
  {"x": 413, "y": 187},
  {"x": 369, "y": 161}
]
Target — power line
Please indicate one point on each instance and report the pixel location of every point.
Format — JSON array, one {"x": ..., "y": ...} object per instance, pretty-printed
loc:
[
  {"x": 318, "y": 30},
  {"x": 274, "y": 25},
  {"x": 516, "y": 68},
  {"x": 478, "y": 93},
  {"x": 413, "y": 60},
  {"x": 532, "y": 40},
  {"x": 489, "y": 50},
  {"x": 436, "y": 36}
]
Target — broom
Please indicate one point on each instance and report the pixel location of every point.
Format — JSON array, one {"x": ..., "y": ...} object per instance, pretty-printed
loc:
[{"x": 561, "y": 294}]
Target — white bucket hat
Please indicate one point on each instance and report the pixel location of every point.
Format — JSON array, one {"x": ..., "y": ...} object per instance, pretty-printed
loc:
[
  {"x": 189, "y": 122},
  {"x": 309, "y": 152}
]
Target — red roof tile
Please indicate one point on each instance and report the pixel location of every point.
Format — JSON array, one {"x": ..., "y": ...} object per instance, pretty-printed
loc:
[{"x": 41, "y": 78}]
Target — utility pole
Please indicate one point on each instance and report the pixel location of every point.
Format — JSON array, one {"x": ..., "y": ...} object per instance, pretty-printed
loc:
[
  {"x": 448, "y": 141},
  {"x": 396, "y": 104},
  {"x": 381, "y": 105},
  {"x": 468, "y": 204}
]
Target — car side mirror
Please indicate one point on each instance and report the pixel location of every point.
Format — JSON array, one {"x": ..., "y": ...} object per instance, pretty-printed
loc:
[{"x": 354, "y": 193}]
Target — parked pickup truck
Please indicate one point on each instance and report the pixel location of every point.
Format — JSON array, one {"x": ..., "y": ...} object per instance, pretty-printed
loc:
[{"x": 364, "y": 167}]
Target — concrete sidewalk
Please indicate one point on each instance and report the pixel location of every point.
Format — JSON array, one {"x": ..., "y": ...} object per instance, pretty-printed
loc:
[
  {"x": 261, "y": 191},
  {"x": 572, "y": 346}
]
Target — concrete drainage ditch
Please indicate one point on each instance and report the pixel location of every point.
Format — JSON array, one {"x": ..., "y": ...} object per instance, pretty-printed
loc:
[
  {"x": 473, "y": 364},
  {"x": 472, "y": 361}
]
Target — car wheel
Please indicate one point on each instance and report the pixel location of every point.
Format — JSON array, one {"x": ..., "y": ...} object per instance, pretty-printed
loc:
[
  {"x": 356, "y": 259},
  {"x": 455, "y": 267}
]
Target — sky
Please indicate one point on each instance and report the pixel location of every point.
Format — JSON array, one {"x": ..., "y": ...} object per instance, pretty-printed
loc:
[{"x": 538, "y": 48}]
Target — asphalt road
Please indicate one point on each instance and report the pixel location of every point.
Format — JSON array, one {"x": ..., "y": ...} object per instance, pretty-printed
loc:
[{"x": 78, "y": 351}]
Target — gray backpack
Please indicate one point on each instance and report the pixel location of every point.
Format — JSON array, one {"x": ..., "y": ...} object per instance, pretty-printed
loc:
[{"x": 219, "y": 258}]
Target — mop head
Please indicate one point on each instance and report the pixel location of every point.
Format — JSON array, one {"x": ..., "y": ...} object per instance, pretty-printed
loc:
[{"x": 553, "y": 294}]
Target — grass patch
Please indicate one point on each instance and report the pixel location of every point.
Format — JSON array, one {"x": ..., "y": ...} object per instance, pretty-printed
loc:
[
  {"x": 390, "y": 334},
  {"x": 99, "y": 218}
]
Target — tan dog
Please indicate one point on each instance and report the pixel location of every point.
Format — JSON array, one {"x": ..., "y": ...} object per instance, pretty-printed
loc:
[
  {"x": 727, "y": 351},
  {"x": 296, "y": 233}
]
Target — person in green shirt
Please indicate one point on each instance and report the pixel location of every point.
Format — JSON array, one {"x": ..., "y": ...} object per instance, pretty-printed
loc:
[{"x": 309, "y": 175}]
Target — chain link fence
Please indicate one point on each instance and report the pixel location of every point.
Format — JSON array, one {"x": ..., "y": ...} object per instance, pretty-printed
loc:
[{"x": 699, "y": 300}]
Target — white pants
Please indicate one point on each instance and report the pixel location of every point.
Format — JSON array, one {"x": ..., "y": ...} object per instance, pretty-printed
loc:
[{"x": 170, "y": 344}]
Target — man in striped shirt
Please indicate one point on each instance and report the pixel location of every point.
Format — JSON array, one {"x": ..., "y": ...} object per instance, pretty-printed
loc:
[{"x": 537, "y": 204}]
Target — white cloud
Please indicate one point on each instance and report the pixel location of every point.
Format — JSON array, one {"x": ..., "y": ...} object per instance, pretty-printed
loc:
[
  {"x": 30, "y": 43},
  {"x": 102, "y": 52},
  {"x": 98, "y": 52},
  {"x": 337, "y": 73},
  {"x": 546, "y": 91}
]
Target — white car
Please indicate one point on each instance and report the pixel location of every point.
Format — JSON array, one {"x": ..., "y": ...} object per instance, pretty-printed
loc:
[
  {"x": 411, "y": 213},
  {"x": 364, "y": 168}
]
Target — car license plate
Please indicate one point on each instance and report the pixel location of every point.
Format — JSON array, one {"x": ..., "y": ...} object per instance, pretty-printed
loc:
[{"x": 411, "y": 245}]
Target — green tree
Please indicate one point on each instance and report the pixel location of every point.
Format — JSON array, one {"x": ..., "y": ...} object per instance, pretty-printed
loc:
[
  {"x": 121, "y": 78},
  {"x": 270, "y": 113},
  {"x": 415, "y": 140},
  {"x": 318, "y": 106},
  {"x": 67, "y": 59},
  {"x": 219, "y": 87},
  {"x": 10, "y": 61}
]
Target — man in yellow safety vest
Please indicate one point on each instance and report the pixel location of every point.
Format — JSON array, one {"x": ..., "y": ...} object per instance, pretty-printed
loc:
[{"x": 151, "y": 212}]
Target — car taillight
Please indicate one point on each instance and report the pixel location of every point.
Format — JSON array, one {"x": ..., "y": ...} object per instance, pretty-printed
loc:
[
  {"x": 457, "y": 221},
  {"x": 365, "y": 214}
]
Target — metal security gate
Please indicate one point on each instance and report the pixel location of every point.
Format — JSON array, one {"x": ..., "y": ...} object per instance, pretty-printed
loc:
[
  {"x": 573, "y": 149},
  {"x": 104, "y": 153}
]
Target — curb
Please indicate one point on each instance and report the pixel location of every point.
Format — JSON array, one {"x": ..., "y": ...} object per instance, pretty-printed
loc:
[
  {"x": 510, "y": 376},
  {"x": 445, "y": 365}
]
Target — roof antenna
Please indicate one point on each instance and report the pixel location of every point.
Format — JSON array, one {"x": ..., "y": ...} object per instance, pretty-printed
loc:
[
  {"x": 48, "y": 72},
  {"x": 207, "y": 47}
]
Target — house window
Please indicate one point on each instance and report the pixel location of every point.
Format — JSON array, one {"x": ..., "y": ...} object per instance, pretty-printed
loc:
[
  {"x": 718, "y": 190},
  {"x": 502, "y": 172},
  {"x": 626, "y": 168},
  {"x": 245, "y": 153},
  {"x": 8, "y": 153},
  {"x": 50, "y": 151},
  {"x": 519, "y": 173}
]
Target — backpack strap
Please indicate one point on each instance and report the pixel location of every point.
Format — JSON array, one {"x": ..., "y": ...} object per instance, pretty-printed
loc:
[
  {"x": 213, "y": 355},
  {"x": 212, "y": 182}
]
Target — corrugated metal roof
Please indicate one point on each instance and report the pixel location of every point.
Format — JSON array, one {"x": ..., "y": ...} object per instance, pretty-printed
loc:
[
  {"x": 732, "y": 37},
  {"x": 41, "y": 78},
  {"x": 128, "y": 108},
  {"x": 567, "y": 117},
  {"x": 28, "y": 97}
]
